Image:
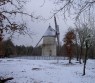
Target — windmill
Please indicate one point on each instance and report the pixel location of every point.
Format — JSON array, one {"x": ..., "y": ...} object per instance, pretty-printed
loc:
[
  {"x": 49, "y": 42},
  {"x": 49, "y": 45},
  {"x": 57, "y": 34}
]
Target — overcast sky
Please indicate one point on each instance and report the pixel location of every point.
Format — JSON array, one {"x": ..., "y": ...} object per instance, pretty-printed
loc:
[{"x": 37, "y": 27}]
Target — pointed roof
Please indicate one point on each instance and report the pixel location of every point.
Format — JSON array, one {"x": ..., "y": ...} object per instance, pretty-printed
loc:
[{"x": 50, "y": 32}]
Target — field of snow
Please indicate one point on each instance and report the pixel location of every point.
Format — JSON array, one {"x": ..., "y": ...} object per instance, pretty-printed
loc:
[{"x": 46, "y": 71}]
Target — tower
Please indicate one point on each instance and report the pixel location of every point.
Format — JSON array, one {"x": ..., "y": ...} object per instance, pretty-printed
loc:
[{"x": 49, "y": 42}]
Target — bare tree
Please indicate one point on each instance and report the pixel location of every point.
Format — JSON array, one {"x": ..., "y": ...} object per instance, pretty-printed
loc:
[
  {"x": 10, "y": 11},
  {"x": 85, "y": 34},
  {"x": 82, "y": 40},
  {"x": 74, "y": 8},
  {"x": 87, "y": 43}
]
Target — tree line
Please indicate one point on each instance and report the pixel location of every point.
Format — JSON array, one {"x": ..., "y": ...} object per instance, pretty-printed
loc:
[{"x": 9, "y": 49}]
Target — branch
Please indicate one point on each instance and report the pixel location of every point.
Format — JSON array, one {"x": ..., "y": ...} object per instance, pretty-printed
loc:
[
  {"x": 43, "y": 3},
  {"x": 4, "y": 2},
  {"x": 84, "y": 7},
  {"x": 92, "y": 2},
  {"x": 19, "y": 12},
  {"x": 69, "y": 2},
  {"x": 7, "y": 19}
]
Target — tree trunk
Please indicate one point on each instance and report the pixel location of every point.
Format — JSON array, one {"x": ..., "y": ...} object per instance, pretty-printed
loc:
[
  {"x": 80, "y": 54},
  {"x": 85, "y": 58},
  {"x": 77, "y": 53},
  {"x": 69, "y": 59}
]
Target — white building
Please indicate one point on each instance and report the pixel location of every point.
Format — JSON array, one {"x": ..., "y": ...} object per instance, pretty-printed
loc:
[{"x": 49, "y": 42}]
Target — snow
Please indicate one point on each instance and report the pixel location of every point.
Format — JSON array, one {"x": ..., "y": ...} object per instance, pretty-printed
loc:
[
  {"x": 46, "y": 71},
  {"x": 50, "y": 32}
]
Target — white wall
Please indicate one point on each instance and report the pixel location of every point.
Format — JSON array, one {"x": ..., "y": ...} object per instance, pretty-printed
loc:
[{"x": 49, "y": 46}]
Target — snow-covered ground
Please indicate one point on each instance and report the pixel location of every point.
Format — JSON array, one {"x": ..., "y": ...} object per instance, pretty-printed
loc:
[{"x": 46, "y": 71}]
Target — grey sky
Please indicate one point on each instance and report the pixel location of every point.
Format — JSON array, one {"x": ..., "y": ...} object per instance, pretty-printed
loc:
[{"x": 39, "y": 27}]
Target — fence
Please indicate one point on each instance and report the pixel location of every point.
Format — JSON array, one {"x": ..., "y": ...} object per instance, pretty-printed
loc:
[{"x": 42, "y": 57}]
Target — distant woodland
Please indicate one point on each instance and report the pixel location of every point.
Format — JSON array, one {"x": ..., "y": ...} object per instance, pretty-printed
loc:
[{"x": 11, "y": 50}]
